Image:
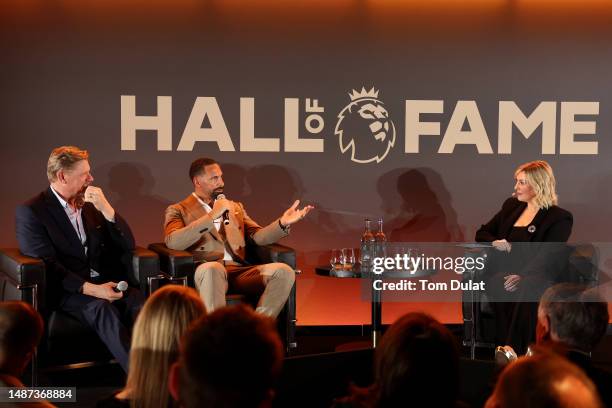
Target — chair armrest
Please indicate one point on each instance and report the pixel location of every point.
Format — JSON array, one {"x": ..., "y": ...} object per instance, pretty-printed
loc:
[
  {"x": 23, "y": 270},
  {"x": 175, "y": 263},
  {"x": 260, "y": 254},
  {"x": 145, "y": 263},
  {"x": 25, "y": 274}
]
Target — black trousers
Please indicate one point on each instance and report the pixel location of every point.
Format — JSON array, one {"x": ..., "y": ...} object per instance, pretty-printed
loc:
[
  {"x": 515, "y": 324},
  {"x": 516, "y": 313},
  {"x": 112, "y": 321}
]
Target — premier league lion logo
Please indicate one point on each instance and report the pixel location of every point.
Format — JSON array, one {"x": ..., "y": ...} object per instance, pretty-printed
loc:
[{"x": 364, "y": 127}]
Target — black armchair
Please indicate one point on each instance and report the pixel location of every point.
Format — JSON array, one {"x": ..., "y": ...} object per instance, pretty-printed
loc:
[
  {"x": 478, "y": 317},
  {"x": 23, "y": 278},
  {"x": 179, "y": 267}
]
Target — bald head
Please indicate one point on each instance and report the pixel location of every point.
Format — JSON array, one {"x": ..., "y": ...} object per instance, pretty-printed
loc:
[{"x": 544, "y": 380}]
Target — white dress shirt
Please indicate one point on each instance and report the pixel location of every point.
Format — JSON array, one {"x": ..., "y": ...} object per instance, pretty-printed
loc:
[{"x": 226, "y": 255}]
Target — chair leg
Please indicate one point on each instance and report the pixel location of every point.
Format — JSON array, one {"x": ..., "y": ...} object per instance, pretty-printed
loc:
[
  {"x": 34, "y": 362},
  {"x": 182, "y": 280},
  {"x": 290, "y": 321}
]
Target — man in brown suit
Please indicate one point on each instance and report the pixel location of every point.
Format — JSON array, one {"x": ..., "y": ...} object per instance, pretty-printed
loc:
[{"x": 196, "y": 225}]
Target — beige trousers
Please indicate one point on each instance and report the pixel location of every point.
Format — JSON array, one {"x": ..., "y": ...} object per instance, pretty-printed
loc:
[{"x": 271, "y": 282}]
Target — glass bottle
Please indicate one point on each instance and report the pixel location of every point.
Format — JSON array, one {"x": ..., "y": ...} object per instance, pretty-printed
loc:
[
  {"x": 367, "y": 246},
  {"x": 381, "y": 241}
]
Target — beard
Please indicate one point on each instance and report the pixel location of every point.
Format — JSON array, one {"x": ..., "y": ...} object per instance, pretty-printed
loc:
[{"x": 216, "y": 193}]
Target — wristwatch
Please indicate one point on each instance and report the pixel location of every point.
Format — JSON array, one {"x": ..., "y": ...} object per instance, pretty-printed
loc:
[{"x": 283, "y": 227}]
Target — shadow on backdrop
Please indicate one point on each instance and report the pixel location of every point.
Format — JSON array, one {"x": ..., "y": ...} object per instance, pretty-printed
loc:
[
  {"x": 418, "y": 207},
  {"x": 129, "y": 189},
  {"x": 272, "y": 190}
]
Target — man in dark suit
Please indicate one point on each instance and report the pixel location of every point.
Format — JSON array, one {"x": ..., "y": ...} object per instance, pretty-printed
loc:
[
  {"x": 572, "y": 320},
  {"x": 86, "y": 247}
]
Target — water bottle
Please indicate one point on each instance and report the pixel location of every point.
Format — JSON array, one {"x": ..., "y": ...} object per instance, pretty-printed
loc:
[
  {"x": 367, "y": 247},
  {"x": 380, "y": 239}
]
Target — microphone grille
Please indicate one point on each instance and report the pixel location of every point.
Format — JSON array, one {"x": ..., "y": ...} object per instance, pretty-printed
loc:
[{"x": 122, "y": 286}]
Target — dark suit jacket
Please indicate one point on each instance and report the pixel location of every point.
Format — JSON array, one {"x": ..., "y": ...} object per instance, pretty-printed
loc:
[
  {"x": 552, "y": 226},
  {"x": 44, "y": 231}
]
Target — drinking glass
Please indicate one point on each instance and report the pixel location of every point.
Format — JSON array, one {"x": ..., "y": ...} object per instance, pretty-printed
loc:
[
  {"x": 402, "y": 251},
  {"x": 348, "y": 255},
  {"x": 336, "y": 259}
]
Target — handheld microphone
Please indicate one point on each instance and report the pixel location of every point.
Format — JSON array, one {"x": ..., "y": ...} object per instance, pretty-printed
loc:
[
  {"x": 225, "y": 215},
  {"x": 122, "y": 286}
]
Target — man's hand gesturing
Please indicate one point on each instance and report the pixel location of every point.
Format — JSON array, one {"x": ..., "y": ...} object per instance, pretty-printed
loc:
[{"x": 293, "y": 215}]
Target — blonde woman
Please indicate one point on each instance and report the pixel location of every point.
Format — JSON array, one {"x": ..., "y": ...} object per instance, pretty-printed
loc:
[
  {"x": 155, "y": 342},
  {"x": 518, "y": 274}
]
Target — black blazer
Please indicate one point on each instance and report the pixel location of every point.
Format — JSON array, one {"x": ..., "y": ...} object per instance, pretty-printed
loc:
[
  {"x": 552, "y": 225},
  {"x": 44, "y": 231}
]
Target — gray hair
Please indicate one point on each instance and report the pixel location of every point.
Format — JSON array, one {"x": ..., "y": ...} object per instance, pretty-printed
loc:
[
  {"x": 64, "y": 158},
  {"x": 578, "y": 315}
]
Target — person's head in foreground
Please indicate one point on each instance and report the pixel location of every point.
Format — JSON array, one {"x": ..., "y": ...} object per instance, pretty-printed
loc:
[
  {"x": 544, "y": 380},
  {"x": 21, "y": 328},
  {"x": 572, "y": 315},
  {"x": 416, "y": 364},
  {"x": 163, "y": 320},
  {"x": 230, "y": 358}
]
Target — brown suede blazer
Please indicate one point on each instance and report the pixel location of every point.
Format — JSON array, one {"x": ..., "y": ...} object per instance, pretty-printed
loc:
[{"x": 188, "y": 227}]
